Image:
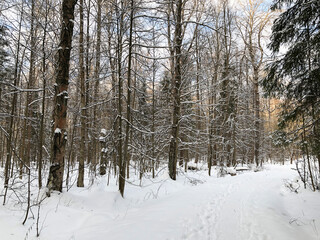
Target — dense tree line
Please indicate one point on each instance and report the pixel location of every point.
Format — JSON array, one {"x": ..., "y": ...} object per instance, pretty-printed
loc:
[{"x": 122, "y": 85}]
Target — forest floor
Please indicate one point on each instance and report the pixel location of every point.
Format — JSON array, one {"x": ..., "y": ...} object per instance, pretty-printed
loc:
[{"x": 249, "y": 206}]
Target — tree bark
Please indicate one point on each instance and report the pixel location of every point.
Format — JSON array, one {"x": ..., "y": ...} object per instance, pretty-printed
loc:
[
  {"x": 176, "y": 84},
  {"x": 122, "y": 177},
  {"x": 103, "y": 163},
  {"x": 55, "y": 179},
  {"x": 40, "y": 161},
  {"x": 80, "y": 182},
  {"x": 120, "y": 29}
]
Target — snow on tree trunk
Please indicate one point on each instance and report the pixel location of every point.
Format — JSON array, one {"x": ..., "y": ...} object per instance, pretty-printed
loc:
[{"x": 55, "y": 179}]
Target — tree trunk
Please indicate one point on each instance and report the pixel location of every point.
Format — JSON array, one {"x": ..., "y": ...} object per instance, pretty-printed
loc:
[
  {"x": 88, "y": 133},
  {"x": 40, "y": 161},
  {"x": 27, "y": 136},
  {"x": 176, "y": 84},
  {"x": 122, "y": 177},
  {"x": 257, "y": 117},
  {"x": 80, "y": 182},
  {"x": 13, "y": 110},
  {"x": 96, "y": 89},
  {"x": 55, "y": 179},
  {"x": 120, "y": 29}
]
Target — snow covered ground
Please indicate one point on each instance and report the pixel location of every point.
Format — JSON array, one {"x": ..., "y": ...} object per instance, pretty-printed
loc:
[{"x": 251, "y": 205}]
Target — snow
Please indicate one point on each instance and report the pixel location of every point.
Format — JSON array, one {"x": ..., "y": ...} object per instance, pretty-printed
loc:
[
  {"x": 104, "y": 150},
  {"x": 251, "y": 205},
  {"x": 63, "y": 93},
  {"x": 103, "y": 131},
  {"x": 57, "y": 131}
]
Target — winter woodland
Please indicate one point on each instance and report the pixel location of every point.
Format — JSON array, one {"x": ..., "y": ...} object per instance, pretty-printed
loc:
[{"x": 160, "y": 119}]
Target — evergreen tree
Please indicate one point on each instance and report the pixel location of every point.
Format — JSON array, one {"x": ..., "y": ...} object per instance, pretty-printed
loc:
[{"x": 295, "y": 75}]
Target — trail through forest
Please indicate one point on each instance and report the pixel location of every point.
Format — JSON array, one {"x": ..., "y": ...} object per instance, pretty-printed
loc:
[
  {"x": 105, "y": 104},
  {"x": 251, "y": 205}
]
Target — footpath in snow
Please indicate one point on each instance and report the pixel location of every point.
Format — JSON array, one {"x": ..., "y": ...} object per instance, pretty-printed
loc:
[{"x": 249, "y": 206}]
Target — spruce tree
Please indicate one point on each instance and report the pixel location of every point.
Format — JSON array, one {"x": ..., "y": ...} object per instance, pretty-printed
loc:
[{"x": 295, "y": 73}]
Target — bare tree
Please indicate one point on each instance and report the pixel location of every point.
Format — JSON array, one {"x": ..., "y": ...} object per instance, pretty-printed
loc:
[
  {"x": 55, "y": 179},
  {"x": 80, "y": 182},
  {"x": 252, "y": 26},
  {"x": 176, "y": 84}
]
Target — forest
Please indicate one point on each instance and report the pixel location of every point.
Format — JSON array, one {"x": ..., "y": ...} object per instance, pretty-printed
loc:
[{"x": 120, "y": 92}]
